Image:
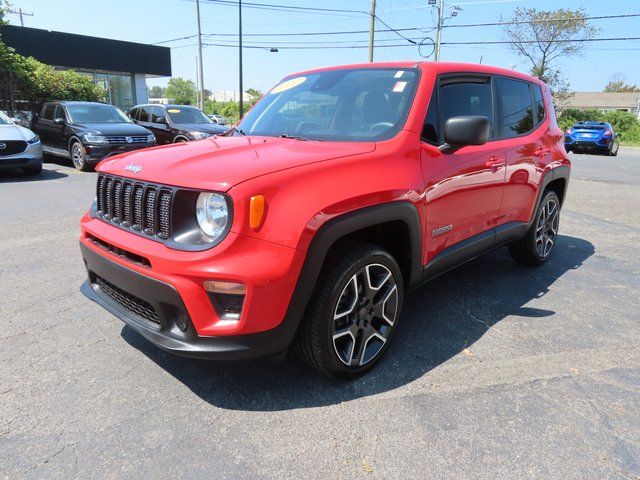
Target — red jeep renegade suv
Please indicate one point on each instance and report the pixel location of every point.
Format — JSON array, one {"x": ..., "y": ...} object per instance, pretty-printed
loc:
[{"x": 339, "y": 191}]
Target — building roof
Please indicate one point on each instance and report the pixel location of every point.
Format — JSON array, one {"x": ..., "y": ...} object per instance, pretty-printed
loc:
[
  {"x": 61, "y": 49},
  {"x": 622, "y": 100}
]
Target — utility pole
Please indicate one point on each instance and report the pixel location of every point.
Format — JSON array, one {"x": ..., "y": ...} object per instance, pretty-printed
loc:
[
  {"x": 197, "y": 82},
  {"x": 21, "y": 14},
  {"x": 200, "y": 70},
  {"x": 372, "y": 27},
  {"x": 241, "y": 102},
  {"x": 439, "y": 29}
]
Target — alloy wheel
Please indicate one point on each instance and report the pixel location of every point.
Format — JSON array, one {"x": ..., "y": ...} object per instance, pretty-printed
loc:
[
  {"x": 365, "y": 315},
  {"x": 77, "y": 156},
  {"x": 547, "y": 228}
]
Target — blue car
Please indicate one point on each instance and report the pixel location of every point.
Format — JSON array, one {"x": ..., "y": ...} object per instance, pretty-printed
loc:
[{"x": 592, "y": 137}]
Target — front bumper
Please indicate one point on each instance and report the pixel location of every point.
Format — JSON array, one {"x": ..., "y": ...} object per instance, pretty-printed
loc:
[
  {"x": 96, "y": 153},
  {"x": 31, "y": 157},
  {"x": 172, "y": 287}
]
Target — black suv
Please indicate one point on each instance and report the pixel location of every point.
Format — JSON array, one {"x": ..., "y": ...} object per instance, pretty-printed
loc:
[
  {"x": 175, "y": 123},
  {"x": 88, "y": 132}
]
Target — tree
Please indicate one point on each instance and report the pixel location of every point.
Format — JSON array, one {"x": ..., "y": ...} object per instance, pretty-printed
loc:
[
  {"x": 253, "y": 93},
  {"x": 617, "y": 84},
  {"x": 156, "y": 92},
  {"x": 544, "y": 37},
  {"x": 181, "y": 91}
]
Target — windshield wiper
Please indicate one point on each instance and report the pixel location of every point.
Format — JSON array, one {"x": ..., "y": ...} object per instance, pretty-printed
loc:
[{"x": 293, "y": 137}]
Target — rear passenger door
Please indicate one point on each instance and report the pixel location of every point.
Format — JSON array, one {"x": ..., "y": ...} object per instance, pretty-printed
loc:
[
  {"x": 522, "y": 115},
  {"x": 463, "y": 188}
]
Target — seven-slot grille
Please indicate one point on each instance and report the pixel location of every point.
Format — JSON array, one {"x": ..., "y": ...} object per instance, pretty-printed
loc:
[
  {"x": 125, "y": 139},
  {"x": 143, "y": 208}
]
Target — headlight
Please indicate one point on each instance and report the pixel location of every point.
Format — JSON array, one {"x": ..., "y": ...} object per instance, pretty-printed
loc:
[
  {"x": 199, "y": 135},
  {"x": 212, "y": 213},
  {"x": 34, "y": 139},
  {"x": 100, "y": 139},
  {"x": 151, "y": 138}
]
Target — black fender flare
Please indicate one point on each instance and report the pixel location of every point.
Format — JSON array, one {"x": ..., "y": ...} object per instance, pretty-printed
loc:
[
  {"x": 331, "y": 232},
  {"x": 562, "y": 172}
]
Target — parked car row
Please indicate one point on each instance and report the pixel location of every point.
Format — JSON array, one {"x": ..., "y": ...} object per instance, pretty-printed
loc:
[{"x": 88, "y": 132}]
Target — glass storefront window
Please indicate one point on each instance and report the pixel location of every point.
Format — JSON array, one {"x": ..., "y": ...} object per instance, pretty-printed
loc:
[{"x": 121, "y": 90}]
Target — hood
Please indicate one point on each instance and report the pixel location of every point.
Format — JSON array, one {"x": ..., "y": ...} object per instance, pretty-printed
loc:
[
  {"x": 15, "y": 132},
  {"x": 217, "y": 164},
  {"x": 201, "y": 127},
  {"x": 113, "y": 128}
]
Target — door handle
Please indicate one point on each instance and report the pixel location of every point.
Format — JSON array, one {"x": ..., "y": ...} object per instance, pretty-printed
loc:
[
  {"x": 541, "y": 152},
  {"x": 495, "y": 162}
]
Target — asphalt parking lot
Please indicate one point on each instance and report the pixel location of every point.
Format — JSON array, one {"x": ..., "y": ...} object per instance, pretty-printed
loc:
[{"x": 496, "y": 371}]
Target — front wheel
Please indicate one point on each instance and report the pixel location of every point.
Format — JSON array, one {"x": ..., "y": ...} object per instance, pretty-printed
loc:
[
  {"x": 79, "y": 158},
  {"x": 536, "y": 246},
  {"x": 354, "y": 313}
]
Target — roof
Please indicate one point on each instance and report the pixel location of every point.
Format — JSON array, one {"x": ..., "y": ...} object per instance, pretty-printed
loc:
[
  {"x": 62, "y": 49},
  {"x": 628, "y": 100}
]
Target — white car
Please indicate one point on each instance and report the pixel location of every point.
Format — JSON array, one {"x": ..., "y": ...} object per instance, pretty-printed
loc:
[
  {"x": 20, "y": 148},
  {"x": 219, "y": 119}
]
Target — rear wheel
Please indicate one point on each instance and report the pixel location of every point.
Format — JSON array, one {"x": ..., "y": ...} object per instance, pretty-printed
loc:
[
  {"x": 614, "y": 150},
  {"x": 354, "y": 313},
  {"x": 78, "y": 157},
  {"x": 536, "y": 246}
]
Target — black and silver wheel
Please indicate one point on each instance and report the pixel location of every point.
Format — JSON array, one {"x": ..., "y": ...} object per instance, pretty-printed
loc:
[
  {"x": 78, "y": 157},
  {"x": 354, "y": 313},
  {"x": 536, "y": 247}
]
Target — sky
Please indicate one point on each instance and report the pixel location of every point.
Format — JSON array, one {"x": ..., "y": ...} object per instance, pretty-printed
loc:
[{"x": 155, "y": 21}]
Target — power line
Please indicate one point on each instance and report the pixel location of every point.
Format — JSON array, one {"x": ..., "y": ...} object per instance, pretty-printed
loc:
[
  {"x": 271, "y": 6},
  {"x": 519, "y": 22}
]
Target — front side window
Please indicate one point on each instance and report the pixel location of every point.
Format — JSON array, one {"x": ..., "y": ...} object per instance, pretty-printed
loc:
[
  {"x": 366, "y": 104},
  {"x": 514, "y": 97},
  {"x": 157, "y": 114},
  {"x": 466, "y": 98},
  {"x": 59, "y": 113},
  {"x": 96, "y": 113},
  {"x": 179, "y": 114}
]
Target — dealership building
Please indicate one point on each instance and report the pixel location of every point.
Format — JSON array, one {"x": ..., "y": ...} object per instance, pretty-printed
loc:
[{"x": 121, "y": 68}]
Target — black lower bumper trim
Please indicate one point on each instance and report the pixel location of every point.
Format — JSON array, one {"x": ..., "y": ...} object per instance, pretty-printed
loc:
[{"x": 167, "y": 302}]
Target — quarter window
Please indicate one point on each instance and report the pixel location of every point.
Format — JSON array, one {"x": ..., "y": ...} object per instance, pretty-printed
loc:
[
  {"x": 466, "y": 98},
  {"x": 537, "y": 97},
  {"x": 516, "y": 107}
]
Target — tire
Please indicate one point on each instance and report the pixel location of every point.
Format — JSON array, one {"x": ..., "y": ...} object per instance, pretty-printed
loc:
[
  {"x": 78, "y": 158},
  {"x": 614, "y": 153},
  {"x": 536, "y": 246},
  {"x": 32, "y": 170},
  {"x": 353, "y": 314}
]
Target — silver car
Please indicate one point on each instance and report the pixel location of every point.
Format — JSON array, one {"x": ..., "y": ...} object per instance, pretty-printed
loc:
[{"x": 20, "y": 148}]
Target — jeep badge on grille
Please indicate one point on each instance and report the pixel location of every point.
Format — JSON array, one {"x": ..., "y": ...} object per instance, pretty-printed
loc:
[{"x": 133, "y": 168}]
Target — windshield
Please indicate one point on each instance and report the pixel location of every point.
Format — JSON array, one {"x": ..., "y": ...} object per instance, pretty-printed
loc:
[
  {"x": 96, "y": 113},
  {"x": 4, "y": 120},
  {"x": 187, "y": 115},
  {"x": 367, "y": 104}
]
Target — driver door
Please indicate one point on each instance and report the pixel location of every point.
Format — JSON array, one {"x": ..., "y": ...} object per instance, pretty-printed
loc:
[{"x": 464, "y": 188}]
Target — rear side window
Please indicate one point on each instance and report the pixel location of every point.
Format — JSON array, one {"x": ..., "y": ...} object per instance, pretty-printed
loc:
[
  {"x": 516, "y": 108},
  {"x": 47, "y": 111},
  {"x": 539, "y": 102},
  {"x": 143, "y": 115},
  {"x": 466, "y": 98}
]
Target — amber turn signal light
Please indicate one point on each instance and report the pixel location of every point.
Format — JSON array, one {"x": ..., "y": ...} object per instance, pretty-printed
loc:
[{"x": 256, "y": 211}]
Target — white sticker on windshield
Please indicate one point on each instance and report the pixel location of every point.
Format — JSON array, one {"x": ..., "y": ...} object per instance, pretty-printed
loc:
[
  {"x": 399, "y": 74},
  {"x": 399, "y": 87}
]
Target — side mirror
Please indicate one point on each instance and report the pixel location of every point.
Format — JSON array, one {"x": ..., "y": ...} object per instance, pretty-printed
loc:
[
  {"x": 161, "y": 120},
  {"x": 59, "y": 121},
  {"x": 465, "y": 130},
  {"x": 16, "y": 120}
]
